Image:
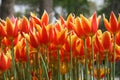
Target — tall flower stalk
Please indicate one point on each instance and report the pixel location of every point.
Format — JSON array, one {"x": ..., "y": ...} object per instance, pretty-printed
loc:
[
  {"x": 92, "y": 57},
  {"x": 45, "y": 67},
  {"x": 59, "y": 74},
  {"x": 71, "y": 61},
  {"x": 28, "y": 62},
  {"x": 13, "y": 62},
  {"x": 86, "y": 60},
  {"x": 114, "y": 57}
]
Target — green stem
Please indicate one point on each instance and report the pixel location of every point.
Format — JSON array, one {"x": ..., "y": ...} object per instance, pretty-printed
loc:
[
  {"x": 46, "y": 57},
  {"x": 114, "y": 57},
  {"x": 92, "y": 56},
  {"x": 78, "y": 70},
  {"x": 4, "y": 75},
  {"x": 86, "y": 60},
  {"x": 13, "y": 63},
  {"x": 75, "y": 69},
  {"x": 91, "y": 70},
  {"x": 28, "y": 62},
  {"x": 106, "y": 66},
  {"x": 8, "y": 73},
  {"x": 45, "y": 68},
  {"x": 98, "y": 66},
  {"x": 81, "y": 72},
  {"x": 19, "y": 70},
  {"x": 71, "y": 64},
  {"x": 110, "y": 70},
  {"x": 59, "y": 75},
  {"x": 23, "y": 71}
]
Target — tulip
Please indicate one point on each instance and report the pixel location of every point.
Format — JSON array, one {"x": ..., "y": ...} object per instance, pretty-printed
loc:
[
  {"x": 60, "y": 35},
  {"x": 79, "y": 48},
  {"x": 99, "y": 73},
  {"x": 47, "y": 34},
  {"x": 117, "y": 53},
  {"x": 41, "y": 22},
  {"x": 78, "y": 28},
  {"x": 24, "y": 25},
  {"x": 107, "y": 41},
  {"x": 2, "y": 31},
  {"x": 34, "y": 38},
  {"x": 70, "y": 22},
  {"x": 90, "y": 25},
  {"x": 118, "y": 38},
  {"x": 45, "y": 19},
  {"x": 20, "y": 51},
  {"x": 113, "y": 25},
  {"x": 11, "y": 29},
  {"x": 73, "y": 41},
  {"x": 5, "y": 62}
]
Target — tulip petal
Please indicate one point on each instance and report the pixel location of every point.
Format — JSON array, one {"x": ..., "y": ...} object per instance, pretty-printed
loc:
[
  {"x": 45, "y": 19},
  {"x": 2, "y": 31},
  {"x": 36, "y": 20},
  {"x": 33, "y": 39},
  {"x": 106, "y": 40},
  {"x": 118, "y": 38},
  {"x": 62, "y": 20},
  {"x": 119, "y": 22},
  {"x": 113, "y": 22},
  {"x": 24, "y": 25},
  {"x": 44, "y": 35},
  {"x": 79, "y": 28},
  {"x": 69, "y": 22},
  {"x": 86, "y": 24},
  {"x": 9, "y": 27},
  {"x": 107, "y": 24},
  {"x": 94, "y": 23}
]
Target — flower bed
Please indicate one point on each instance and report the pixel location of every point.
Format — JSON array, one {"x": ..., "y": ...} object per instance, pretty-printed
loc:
[{"x": 34, "y": 49}]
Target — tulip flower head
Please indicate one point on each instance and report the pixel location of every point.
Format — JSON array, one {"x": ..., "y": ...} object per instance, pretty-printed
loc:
[{"x": 113, "y": 25}]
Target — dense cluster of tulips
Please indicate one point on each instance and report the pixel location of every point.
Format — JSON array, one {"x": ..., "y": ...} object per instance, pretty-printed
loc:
[{"x": 71, "y": 49}]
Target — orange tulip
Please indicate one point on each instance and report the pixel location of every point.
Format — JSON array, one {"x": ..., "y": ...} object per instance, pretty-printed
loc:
[
  {"x": 45, "y": 19},
  {"x": 117, "y": 53},
  {"x": 11, "y": 28},
  {"x": 62, "y": 21},
  {"x": 2, "y": 22},
  {"x": 118, "y": 38},
  {"x": 5, "y": 61},
  {"x": 2, "y": 31},
  {"x": 60, "y": 35},
  {"x": 24, "y": 25},
  {"x": 107, "y": 41},
  {"x": 101, "y": 72},
  {"x": 70, "y": 22},
  {"x": 63, "y": 68},
  {"x": 20, "y": 51},
  {"x": 90, "y": 25},
  {"x": 41, "y": 22},
  {"x": 113, "y": 25},
  {"x": 98, "y": 46},
  {"x": 111, "y": 55},
  {"x": 78, "y": 28},
  {"x": 6, "y": 42},
  {"x": 73, "y": 43},
  {"x": 47, "y": 34},
  {"x": 79, "y": 48},
  {"x": 34, "y": 38}
]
